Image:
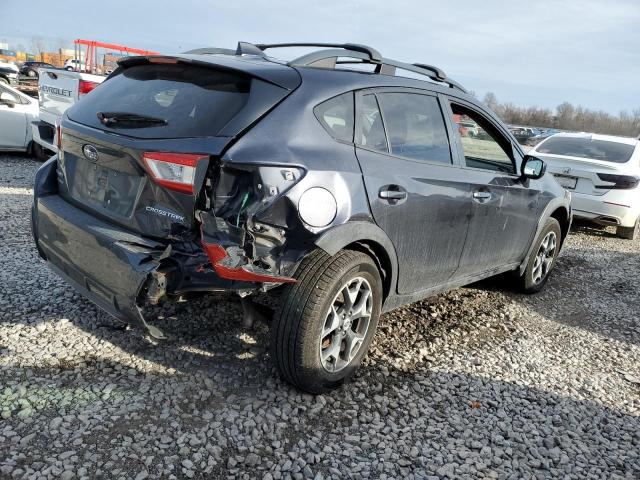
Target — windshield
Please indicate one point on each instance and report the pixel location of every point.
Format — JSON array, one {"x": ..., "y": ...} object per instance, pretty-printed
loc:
[{"x": 582, "y": 147}]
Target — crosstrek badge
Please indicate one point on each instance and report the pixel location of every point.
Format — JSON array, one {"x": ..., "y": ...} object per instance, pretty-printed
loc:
[{"x": 165, "y": 213}]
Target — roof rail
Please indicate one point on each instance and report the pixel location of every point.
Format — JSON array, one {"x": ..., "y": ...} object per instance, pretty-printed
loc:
[
  {"x": 386, "y": 66},
  {"x": 372, "y": 53},
  {"x": 328, "y": 58}
]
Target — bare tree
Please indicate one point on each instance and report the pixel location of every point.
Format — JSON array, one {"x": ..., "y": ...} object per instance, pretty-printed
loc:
[
  {"x": 491, "y": 101},
  {"x": 38, "y": 46},
  {"x": 568, "y": 117}
]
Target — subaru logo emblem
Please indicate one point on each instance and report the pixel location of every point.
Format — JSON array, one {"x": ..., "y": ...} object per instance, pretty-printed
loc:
[{"x": 90, "y": 152}]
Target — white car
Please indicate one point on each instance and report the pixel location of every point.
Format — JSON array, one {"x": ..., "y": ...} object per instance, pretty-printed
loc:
[
  {"x": 9, "y": 65},
  {"x": 17, "y": 111},
  {"x": 602, "y": 173}
]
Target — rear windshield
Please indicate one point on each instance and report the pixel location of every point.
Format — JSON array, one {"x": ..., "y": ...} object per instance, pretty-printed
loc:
[
  {"x": 586, "y": 148},
  {"x": 182, "y": 100}
]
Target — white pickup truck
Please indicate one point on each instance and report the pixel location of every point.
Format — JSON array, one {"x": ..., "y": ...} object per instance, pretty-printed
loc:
[{"x": 58, "y": 89}]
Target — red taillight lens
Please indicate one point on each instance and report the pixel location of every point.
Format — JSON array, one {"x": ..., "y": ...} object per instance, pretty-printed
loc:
[
  {"x": 217, "y": 254},
  {"x": 85, "y": 87},
  {"x": 175, "y": 171}
]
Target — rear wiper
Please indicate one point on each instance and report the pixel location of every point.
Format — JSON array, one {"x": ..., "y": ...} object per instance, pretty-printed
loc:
[{"x": 128, "y": 120}]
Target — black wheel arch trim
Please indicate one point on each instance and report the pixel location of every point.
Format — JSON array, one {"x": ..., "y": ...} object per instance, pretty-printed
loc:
[
  {"x": 341, "y": 236},
  {"x": 553, "y": 206}
]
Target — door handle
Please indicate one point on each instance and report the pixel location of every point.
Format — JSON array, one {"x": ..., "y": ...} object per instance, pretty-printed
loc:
[
  {"x": 482, "y": 196},
  {"x": 392, "y": 192}
]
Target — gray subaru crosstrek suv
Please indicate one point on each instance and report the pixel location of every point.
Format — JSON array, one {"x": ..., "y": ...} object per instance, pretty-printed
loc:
[{"x": 347, "y": 182}]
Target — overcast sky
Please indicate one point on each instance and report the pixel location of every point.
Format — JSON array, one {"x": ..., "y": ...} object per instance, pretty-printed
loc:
[{"x": 536, "y": 52}]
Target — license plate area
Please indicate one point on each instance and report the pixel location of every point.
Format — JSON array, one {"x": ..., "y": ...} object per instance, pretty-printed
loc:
[
  {"x": 567, "y": 182},
  {"x": 104, "y": 188}
]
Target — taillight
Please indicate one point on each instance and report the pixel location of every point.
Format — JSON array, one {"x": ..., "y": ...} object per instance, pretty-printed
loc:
[
  {"x": 620, "y": 182},
  {"x": 85, "y": 87},
  {"x": 175, "y": 171},
  {"x": 217, "y": 254}
]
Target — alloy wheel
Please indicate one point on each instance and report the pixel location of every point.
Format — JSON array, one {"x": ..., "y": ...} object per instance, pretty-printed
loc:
[
  {"x": 346, "y": 324},
  {"x": 544, "y": 258}
]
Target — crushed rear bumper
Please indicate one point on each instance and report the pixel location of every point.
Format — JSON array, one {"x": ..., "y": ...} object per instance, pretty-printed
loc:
[
  {"x": 119, "y": 271},
  {"x": 108, "y": 267}
]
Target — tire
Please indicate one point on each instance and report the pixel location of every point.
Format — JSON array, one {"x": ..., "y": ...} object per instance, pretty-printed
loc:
[
  {"x": 629, "y": 233},
  {"x": 304, "y": 328},
  {"x": 541, "y": 263},
  {"x": 32, "y": 73},
  {"x": 39, "y": 152},
  {"x": 4, "y": 80}
]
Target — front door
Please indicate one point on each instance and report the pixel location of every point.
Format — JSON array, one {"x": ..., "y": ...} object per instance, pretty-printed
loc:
[
  {"x": 13, "y": 120},
  {"x": 504, "y": 206},
  {"x": 414, "y": 186}
]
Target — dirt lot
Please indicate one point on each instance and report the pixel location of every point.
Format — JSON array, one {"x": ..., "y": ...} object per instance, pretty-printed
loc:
[{"x": 477, "y": 383}]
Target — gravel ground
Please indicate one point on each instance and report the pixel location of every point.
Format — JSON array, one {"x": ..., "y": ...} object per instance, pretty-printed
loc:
[{"x": 477, "y": 383}]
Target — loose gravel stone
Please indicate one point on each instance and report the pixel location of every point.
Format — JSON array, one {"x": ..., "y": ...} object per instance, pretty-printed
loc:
[{"x": 478, "y": 383}]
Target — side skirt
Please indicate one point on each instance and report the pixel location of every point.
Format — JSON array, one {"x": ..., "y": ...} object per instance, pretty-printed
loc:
[{"x": 395, "y": 300}]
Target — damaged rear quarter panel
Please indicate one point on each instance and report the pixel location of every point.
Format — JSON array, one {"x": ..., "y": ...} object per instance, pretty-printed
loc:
[{"x": 291, "y": 138}]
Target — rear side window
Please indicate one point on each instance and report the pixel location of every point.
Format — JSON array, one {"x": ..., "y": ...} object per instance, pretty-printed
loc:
[
  {"x": 336, "y": 116},
  {"x": 586, "y": 148},
  {"x": 371, "y": 135},
  {"x": 415, "y": 127},
  {"x": 192, "y": 101}
]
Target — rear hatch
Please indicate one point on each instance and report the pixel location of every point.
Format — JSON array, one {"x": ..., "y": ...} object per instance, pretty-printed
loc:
[
  {"x": 589, "y": 166},
  {"x": 136, "y": 151}
]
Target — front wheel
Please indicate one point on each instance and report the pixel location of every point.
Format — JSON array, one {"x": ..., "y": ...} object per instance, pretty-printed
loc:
[
  {"x": 327, "y": 320},
  {"x": 543, "y": 257},
  {"x": 629, "y": 233},
  {"x": 31, "y": 73}
]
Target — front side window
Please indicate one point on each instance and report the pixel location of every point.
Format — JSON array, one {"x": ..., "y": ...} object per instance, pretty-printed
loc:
[
  {"x": 336, "y": 116},
  {"x": 415, "y": 127},
  {"x": 371, "y": 135},
  {"x": 483, "y": 146}
]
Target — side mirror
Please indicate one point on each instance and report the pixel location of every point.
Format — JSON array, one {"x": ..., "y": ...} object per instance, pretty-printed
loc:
[
  {"x": 533, "y": 167},
  {"x": 8, "y": 100}
]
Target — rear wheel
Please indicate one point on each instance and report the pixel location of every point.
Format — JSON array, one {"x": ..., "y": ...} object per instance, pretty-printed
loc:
[
  {"x": 543, "y": 257},
  {"x": 629, "y": 233},
  {"x": 327, "y": 320}
]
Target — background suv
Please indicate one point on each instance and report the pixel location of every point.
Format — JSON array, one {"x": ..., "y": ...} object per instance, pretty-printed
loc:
[{"x": 348, "y": 192}]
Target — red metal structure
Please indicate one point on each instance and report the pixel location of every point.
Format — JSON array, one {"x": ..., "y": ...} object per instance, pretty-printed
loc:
[{"x": 91, "y": 55}]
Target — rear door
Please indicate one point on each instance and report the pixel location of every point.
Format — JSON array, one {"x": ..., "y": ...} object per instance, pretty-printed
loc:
[
  {"x": 414, "y": 186},
  {"x": 135, "y": 150},
  {"x": 503, "y": 206}
]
